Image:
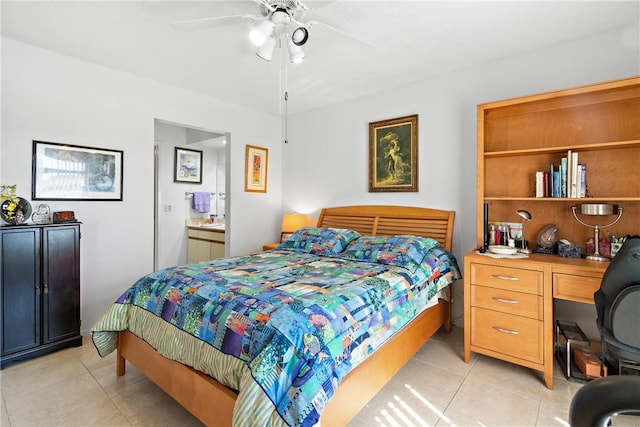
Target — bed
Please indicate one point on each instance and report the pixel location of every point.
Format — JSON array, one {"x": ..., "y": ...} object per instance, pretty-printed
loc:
[{"x": 341, "y": 372}]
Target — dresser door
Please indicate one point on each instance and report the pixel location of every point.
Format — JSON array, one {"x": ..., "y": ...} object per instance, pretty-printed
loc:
[
  {"x": 20, "y": 249},
  {"x": 61, "y": 283}
]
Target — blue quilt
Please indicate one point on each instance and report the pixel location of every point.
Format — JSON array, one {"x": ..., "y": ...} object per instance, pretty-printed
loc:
[{"x": 283, "y": 328}]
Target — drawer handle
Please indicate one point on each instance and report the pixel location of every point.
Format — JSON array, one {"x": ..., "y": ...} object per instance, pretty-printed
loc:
[
  {"x": 506, "y": 301},
  {"x": 506, "y": 331},
  {"x": 501, "y": 277}
]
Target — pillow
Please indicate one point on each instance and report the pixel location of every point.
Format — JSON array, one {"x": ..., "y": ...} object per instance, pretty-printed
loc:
[
  {"x": 319, "y": 241},
  {"x": 401, "y": 251}
]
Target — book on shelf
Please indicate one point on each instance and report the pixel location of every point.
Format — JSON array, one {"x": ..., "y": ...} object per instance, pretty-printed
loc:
[
  {"x": 574, "y": 174},
  {"x": 550, "y": 183},
  {"x": 582, "y": 184},
  {"x": 539, "y": 184},
  {"x": 545, "y": 183},
  {"x": 556, "y": 183},
  {"x": 569, "y": 173},
  {"x": 563, "y": 177}
]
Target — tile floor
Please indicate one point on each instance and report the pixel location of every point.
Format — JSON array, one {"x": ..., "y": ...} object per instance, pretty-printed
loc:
[{"x": 75, "y": 387}]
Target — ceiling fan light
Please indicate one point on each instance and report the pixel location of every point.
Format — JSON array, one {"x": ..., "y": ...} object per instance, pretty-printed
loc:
[
  {"x": 300, "y": 36},
  {"x": 296, "y": 54},
  {"x": 297, "y": 58},
  {"x": 266, "y": 50},
  {"x": 260, "y": 34}
]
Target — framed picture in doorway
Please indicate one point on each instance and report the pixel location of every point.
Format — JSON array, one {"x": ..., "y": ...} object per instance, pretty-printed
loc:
[
  {"x": 74, "y": 172},
  {"x": 393, "y": 155},
  {"x": 255, "y": 179},
  {"x": 188, "y": 166}
]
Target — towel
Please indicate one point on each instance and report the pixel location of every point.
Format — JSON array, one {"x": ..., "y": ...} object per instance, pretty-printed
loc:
[{"x": 201, "y": 201}]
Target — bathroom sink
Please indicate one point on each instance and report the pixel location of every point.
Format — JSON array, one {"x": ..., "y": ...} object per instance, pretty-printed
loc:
[{"x": 213, "y": 226}]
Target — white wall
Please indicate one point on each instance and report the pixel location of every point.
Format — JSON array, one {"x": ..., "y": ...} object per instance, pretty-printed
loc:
[
  {"x": 326, "y": 160},
  {"x": 50, "y": 97}
]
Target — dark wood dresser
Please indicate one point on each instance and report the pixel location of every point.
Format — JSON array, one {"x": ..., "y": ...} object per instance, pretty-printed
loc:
[{"x": 40, "y": 281}]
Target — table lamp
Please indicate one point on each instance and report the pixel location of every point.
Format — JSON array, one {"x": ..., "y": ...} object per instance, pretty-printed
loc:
[{"x": 291, "y": 222}]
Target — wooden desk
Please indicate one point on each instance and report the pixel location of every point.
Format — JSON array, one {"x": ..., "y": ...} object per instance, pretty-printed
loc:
[{"x": 508, "y": 304}]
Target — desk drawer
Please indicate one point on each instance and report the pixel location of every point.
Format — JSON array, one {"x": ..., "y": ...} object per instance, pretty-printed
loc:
[
  {"x": 515, "y": 279},
  {"x": 515, "y": 336},
  {"x": 575, "y": 288},
  {"x": 506, "y": 301}
]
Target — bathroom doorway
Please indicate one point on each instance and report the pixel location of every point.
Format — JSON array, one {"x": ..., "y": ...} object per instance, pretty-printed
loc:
[{"x": 172, "y": 201}]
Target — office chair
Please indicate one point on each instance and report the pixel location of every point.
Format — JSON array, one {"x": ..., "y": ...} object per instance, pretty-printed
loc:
[
  {"x": 597, "y": 401},
  {"x": 618, "y": 309},
  {"x": 618, "y": 306}
]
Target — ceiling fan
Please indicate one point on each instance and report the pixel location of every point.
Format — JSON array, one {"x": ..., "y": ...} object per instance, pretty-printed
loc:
[{"x": 279, "y": 21}]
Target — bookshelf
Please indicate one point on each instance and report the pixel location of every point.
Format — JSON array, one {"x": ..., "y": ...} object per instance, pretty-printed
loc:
[
  {"x": 520, "y": 136},
  {"x": 509, "y": 303}
]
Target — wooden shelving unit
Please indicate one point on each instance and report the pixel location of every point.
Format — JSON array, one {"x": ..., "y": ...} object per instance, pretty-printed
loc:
[
  {"x": 520, "y": 136},
  {"x": 509, "y": 303}
]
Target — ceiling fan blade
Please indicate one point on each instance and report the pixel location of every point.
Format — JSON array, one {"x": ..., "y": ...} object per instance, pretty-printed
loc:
[
  {"x": 204, "y": 23},
  {"x": 264, "y": 7},
  {"x": 310, "y": 24}
]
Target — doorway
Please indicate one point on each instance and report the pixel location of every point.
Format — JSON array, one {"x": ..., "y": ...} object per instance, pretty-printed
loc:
[{"x": 172, "y": 203}]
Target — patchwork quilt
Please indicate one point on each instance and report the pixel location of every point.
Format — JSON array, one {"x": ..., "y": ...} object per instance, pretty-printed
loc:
[{"x": 282, "y": 328}]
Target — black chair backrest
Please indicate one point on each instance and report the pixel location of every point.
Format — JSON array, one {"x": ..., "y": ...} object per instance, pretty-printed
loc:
[
  {"x": 625, "y": 317},
  {"x": 623, "y": 272}
]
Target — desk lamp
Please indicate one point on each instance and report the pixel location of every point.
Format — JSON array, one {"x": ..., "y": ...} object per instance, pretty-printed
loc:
[{"x": 527, "y": 217}]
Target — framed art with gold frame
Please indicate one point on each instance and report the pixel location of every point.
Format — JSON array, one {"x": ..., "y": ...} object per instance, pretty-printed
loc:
[
  {"x": 393, "y": 155},
  {"x": 255, "y": 179}
]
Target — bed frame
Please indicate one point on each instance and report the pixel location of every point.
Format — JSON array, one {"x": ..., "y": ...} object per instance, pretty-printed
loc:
[{"x": 212, "y": 403}]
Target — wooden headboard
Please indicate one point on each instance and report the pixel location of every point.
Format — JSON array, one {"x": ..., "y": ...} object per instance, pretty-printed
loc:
[{"x": 373, "y": 220}]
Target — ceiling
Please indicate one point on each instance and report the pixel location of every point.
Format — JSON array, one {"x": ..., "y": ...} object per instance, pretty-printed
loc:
[{"x": 391, "y": 43}]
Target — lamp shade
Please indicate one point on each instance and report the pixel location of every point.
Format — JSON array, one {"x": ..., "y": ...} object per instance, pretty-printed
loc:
[
  {"x": 300, "y": 36},
  {"x": 296, "y": 55},
  {"x": 260, "y": 34},
  {"x": 293, "y": 221},
  {"x": 266, "y": 50}
]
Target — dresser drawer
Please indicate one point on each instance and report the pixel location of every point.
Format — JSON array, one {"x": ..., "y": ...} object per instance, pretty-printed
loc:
[
  {"x": 575, "y": 288},
  {"x": 516, "y": 279},
  {"x": 512, "y": 335},
  {"x": 507, "y": 301}
]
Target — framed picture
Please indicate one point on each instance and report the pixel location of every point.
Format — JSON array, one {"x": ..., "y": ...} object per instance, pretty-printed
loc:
[
  {"x": 255, "y": 178},
  {"x": 393, "y": 155},
  {"x": 188, "y": 166},
  {"x": 73, "y": 172}
]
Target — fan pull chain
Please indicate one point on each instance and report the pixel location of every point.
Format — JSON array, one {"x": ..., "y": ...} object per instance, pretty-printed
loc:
[
  {"x": 284, "y": 66},
  {"x": 286, "y": 117}
]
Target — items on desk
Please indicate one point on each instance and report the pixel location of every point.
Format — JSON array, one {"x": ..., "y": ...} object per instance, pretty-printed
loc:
[
  {"x": 604, "y": 247},
  {"x": 615, "y": 242},
  {"x": 591, "y": 246},
  {"x": 567, "y": 249}
]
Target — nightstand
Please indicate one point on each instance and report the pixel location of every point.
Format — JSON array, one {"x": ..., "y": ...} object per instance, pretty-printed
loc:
[{"x": 270, "y": 246}]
